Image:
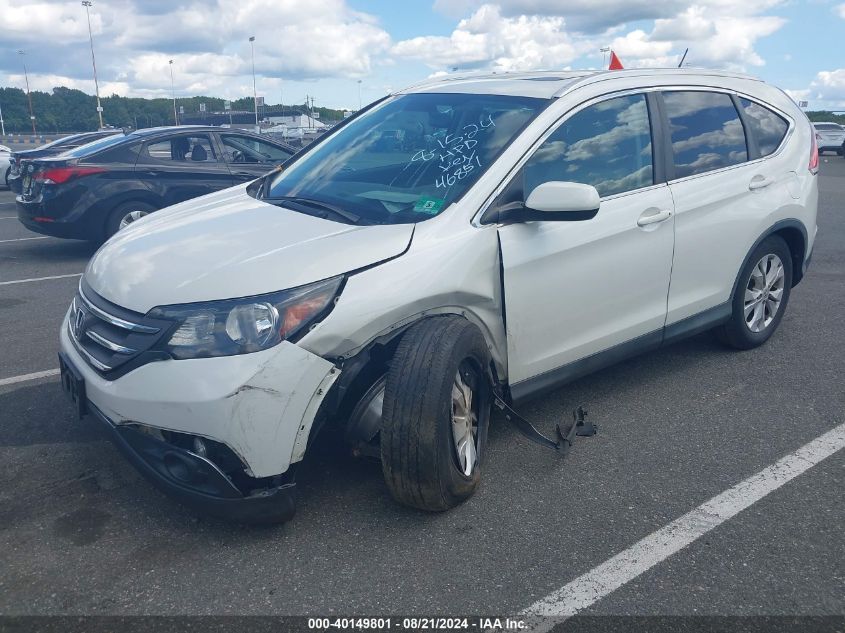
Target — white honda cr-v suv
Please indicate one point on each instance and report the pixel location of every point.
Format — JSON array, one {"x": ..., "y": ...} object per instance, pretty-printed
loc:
[{"x": 469, "y": 240}]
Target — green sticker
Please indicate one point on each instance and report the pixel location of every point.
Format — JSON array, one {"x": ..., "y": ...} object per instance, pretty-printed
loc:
[{"x": 426, "y": 204}]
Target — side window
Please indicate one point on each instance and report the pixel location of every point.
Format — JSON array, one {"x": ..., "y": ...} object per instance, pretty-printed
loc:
[
  {"x": 767, "y": 127},
  {"x": 707, "y": 133},
  {"x": 245, "y": 149},
  {"x": 607, "y": 145},
  {"x": 122, "y": 153},
  {"x": 181, "y": 149}
]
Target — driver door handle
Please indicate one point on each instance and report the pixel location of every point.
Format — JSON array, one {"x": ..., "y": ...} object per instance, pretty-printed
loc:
[{"x": 653, "y": 216}]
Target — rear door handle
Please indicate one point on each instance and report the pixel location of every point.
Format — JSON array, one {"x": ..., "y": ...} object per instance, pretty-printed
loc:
[
  {"x": 653, "y": 216},
  {"x": 760, "y": 182}
]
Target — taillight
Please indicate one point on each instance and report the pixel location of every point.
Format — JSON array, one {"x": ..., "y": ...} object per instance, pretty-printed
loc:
[
  {"x": 814, "y": 154},
  {"x": 60, "y": 175}
]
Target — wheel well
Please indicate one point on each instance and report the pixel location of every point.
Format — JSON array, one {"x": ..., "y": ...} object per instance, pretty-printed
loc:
[{"x": 795, "y": 240}]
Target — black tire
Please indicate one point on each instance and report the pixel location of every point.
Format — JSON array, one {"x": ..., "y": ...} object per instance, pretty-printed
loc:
[
  {"x": 6, "y": 177},
  {"x": 113, "y": 221},
  {"x": 418, "y": 455},
  {"x": 736, "y": 332}
]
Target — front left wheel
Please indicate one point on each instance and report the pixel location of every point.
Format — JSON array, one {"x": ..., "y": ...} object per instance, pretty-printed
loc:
[{"x": 436, "y": 412}]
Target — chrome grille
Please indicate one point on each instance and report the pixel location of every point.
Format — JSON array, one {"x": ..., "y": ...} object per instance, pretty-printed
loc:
[{"x": 112, "y": 338}]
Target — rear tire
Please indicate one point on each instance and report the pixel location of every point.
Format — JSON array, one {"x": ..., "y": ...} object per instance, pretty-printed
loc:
[
  {"x": 436, "y": 412},
  {"x": 125, "y": 214},
  {"x": 761, "y": 296}
]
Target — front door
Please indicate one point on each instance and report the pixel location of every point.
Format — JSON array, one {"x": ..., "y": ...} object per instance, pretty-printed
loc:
[
  {"x": 249, "y": 158},
  {"x": 577, "y": 288}
]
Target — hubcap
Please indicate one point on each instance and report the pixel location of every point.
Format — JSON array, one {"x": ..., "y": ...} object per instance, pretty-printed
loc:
[
  {"x": 764, "y": 293},
  {"x": 130, "y": 217},
  {"x": 464, "y": 422}
]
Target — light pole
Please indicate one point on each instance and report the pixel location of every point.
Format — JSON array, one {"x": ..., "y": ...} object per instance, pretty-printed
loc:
[
  {"x": 22, "y": 53},
  {"x": 359, "y": 94},
  {"x": 254, "y": 91},
  {"x": 173, "y": 93},
  {"x": 2, "y": 124},
  {"x": 87, "y": 4}
]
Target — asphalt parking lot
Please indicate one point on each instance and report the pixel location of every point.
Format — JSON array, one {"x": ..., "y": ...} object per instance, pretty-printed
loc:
[{"x": 82, "y": 533}]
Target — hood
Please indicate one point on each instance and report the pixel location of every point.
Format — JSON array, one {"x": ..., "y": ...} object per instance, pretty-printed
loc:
[{"x": 228, "y": 245}]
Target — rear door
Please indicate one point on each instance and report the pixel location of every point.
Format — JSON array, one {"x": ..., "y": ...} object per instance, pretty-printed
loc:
[
  {"x": 182, "y": 167},
  {"x": 577, "y": 288},
  {"x": 724, "y": 190},
  {"x": 249, "y": 157}
]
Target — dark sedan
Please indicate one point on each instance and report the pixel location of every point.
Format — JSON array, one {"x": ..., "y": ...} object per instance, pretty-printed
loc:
[
  {"x": 93, "y": 191},
  {"x": 13, "y": 178}
]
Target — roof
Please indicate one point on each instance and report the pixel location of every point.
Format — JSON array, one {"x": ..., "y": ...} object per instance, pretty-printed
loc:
[
  {"x": 146, "y": 131},
  {"x": 548, "y": 84}
]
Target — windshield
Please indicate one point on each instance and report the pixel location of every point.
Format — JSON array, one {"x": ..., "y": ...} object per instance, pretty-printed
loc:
[
  {"x": 95, "y": 146},
  {"x": 409, "y": 158}
]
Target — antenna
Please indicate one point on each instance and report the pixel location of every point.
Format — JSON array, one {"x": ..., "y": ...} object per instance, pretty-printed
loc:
[{"x": 683, "y": 58}]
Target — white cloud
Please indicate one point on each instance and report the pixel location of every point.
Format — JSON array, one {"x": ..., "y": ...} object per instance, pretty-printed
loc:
[
  {"x": 636, "y": 46},
  {"x": 829, "y": 85},
  {"x": 589, "y": 16},
  {"x": 490, "y": 40},
  {"x": 689, "y": 25},
  {"x": 716, "y": 33},
  {"x": 840, "y": 9},
  {"x": 521, "y": 34},
  {"x": 207, "y": 40}
]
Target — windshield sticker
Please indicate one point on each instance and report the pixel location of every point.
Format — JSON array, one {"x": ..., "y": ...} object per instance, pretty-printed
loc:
[
  {"x": 455, "y": 154},
  {"x": 429, "y": 205}
]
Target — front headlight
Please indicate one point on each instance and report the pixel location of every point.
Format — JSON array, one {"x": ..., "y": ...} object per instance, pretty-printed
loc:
[{"x": 251, "y": 324}]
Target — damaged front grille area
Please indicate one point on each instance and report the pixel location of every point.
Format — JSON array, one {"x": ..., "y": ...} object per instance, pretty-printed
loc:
[{"x": 113, "y": 340}]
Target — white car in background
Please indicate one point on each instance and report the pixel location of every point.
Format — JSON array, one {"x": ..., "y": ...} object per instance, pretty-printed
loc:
[
  {"x": 830, "y": 137},
  {"x": 5, "y": 152},
  {"x": 523, "y": 230}
]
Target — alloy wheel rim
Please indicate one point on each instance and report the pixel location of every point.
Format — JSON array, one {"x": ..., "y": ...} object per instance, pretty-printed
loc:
[
  {"x": 131, "y": 217},
  {"x": 464, "y": 422},
  {"x": 764, "y": 293}
]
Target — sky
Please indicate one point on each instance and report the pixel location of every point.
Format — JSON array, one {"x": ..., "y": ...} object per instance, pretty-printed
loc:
[{"x": 346, "y": 52}]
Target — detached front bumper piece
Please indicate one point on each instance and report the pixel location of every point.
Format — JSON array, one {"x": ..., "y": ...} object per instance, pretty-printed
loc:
[{"x": 195, "y": 481}]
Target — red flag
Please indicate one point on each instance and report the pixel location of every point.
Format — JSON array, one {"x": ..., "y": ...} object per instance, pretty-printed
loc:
[{"x": 615, "y": 64}]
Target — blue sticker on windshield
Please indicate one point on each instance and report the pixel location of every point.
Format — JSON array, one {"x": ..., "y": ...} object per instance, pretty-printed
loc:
[{"x": 429, "y": 205}]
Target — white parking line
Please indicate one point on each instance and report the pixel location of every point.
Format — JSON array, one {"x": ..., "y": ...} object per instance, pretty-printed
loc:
[
  {"x": 25, "y": 377},
  {"x": 26, "y": 281},
  {"x": 24, "y": 239},
  {"x": 8, "y": 217},
  {"x": 660, "y": 545}
]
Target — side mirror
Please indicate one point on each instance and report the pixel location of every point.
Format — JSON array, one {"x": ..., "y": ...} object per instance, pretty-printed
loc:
[{"x": 563, "y": 198}]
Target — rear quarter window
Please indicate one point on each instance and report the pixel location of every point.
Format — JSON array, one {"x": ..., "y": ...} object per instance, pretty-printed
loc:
[
  {"x": 707, "y": 133},
  {"x": 125, "y": 153},
  {"x": 768, "y": 128}
]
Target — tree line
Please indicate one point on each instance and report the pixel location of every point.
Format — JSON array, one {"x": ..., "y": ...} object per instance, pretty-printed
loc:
[{"x": 70, "y": 110}]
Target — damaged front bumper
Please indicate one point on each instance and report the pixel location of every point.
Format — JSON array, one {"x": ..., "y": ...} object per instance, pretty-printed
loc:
[
  {"x": 255, "y": 412},
  {"x": 196, "y": 481}
]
